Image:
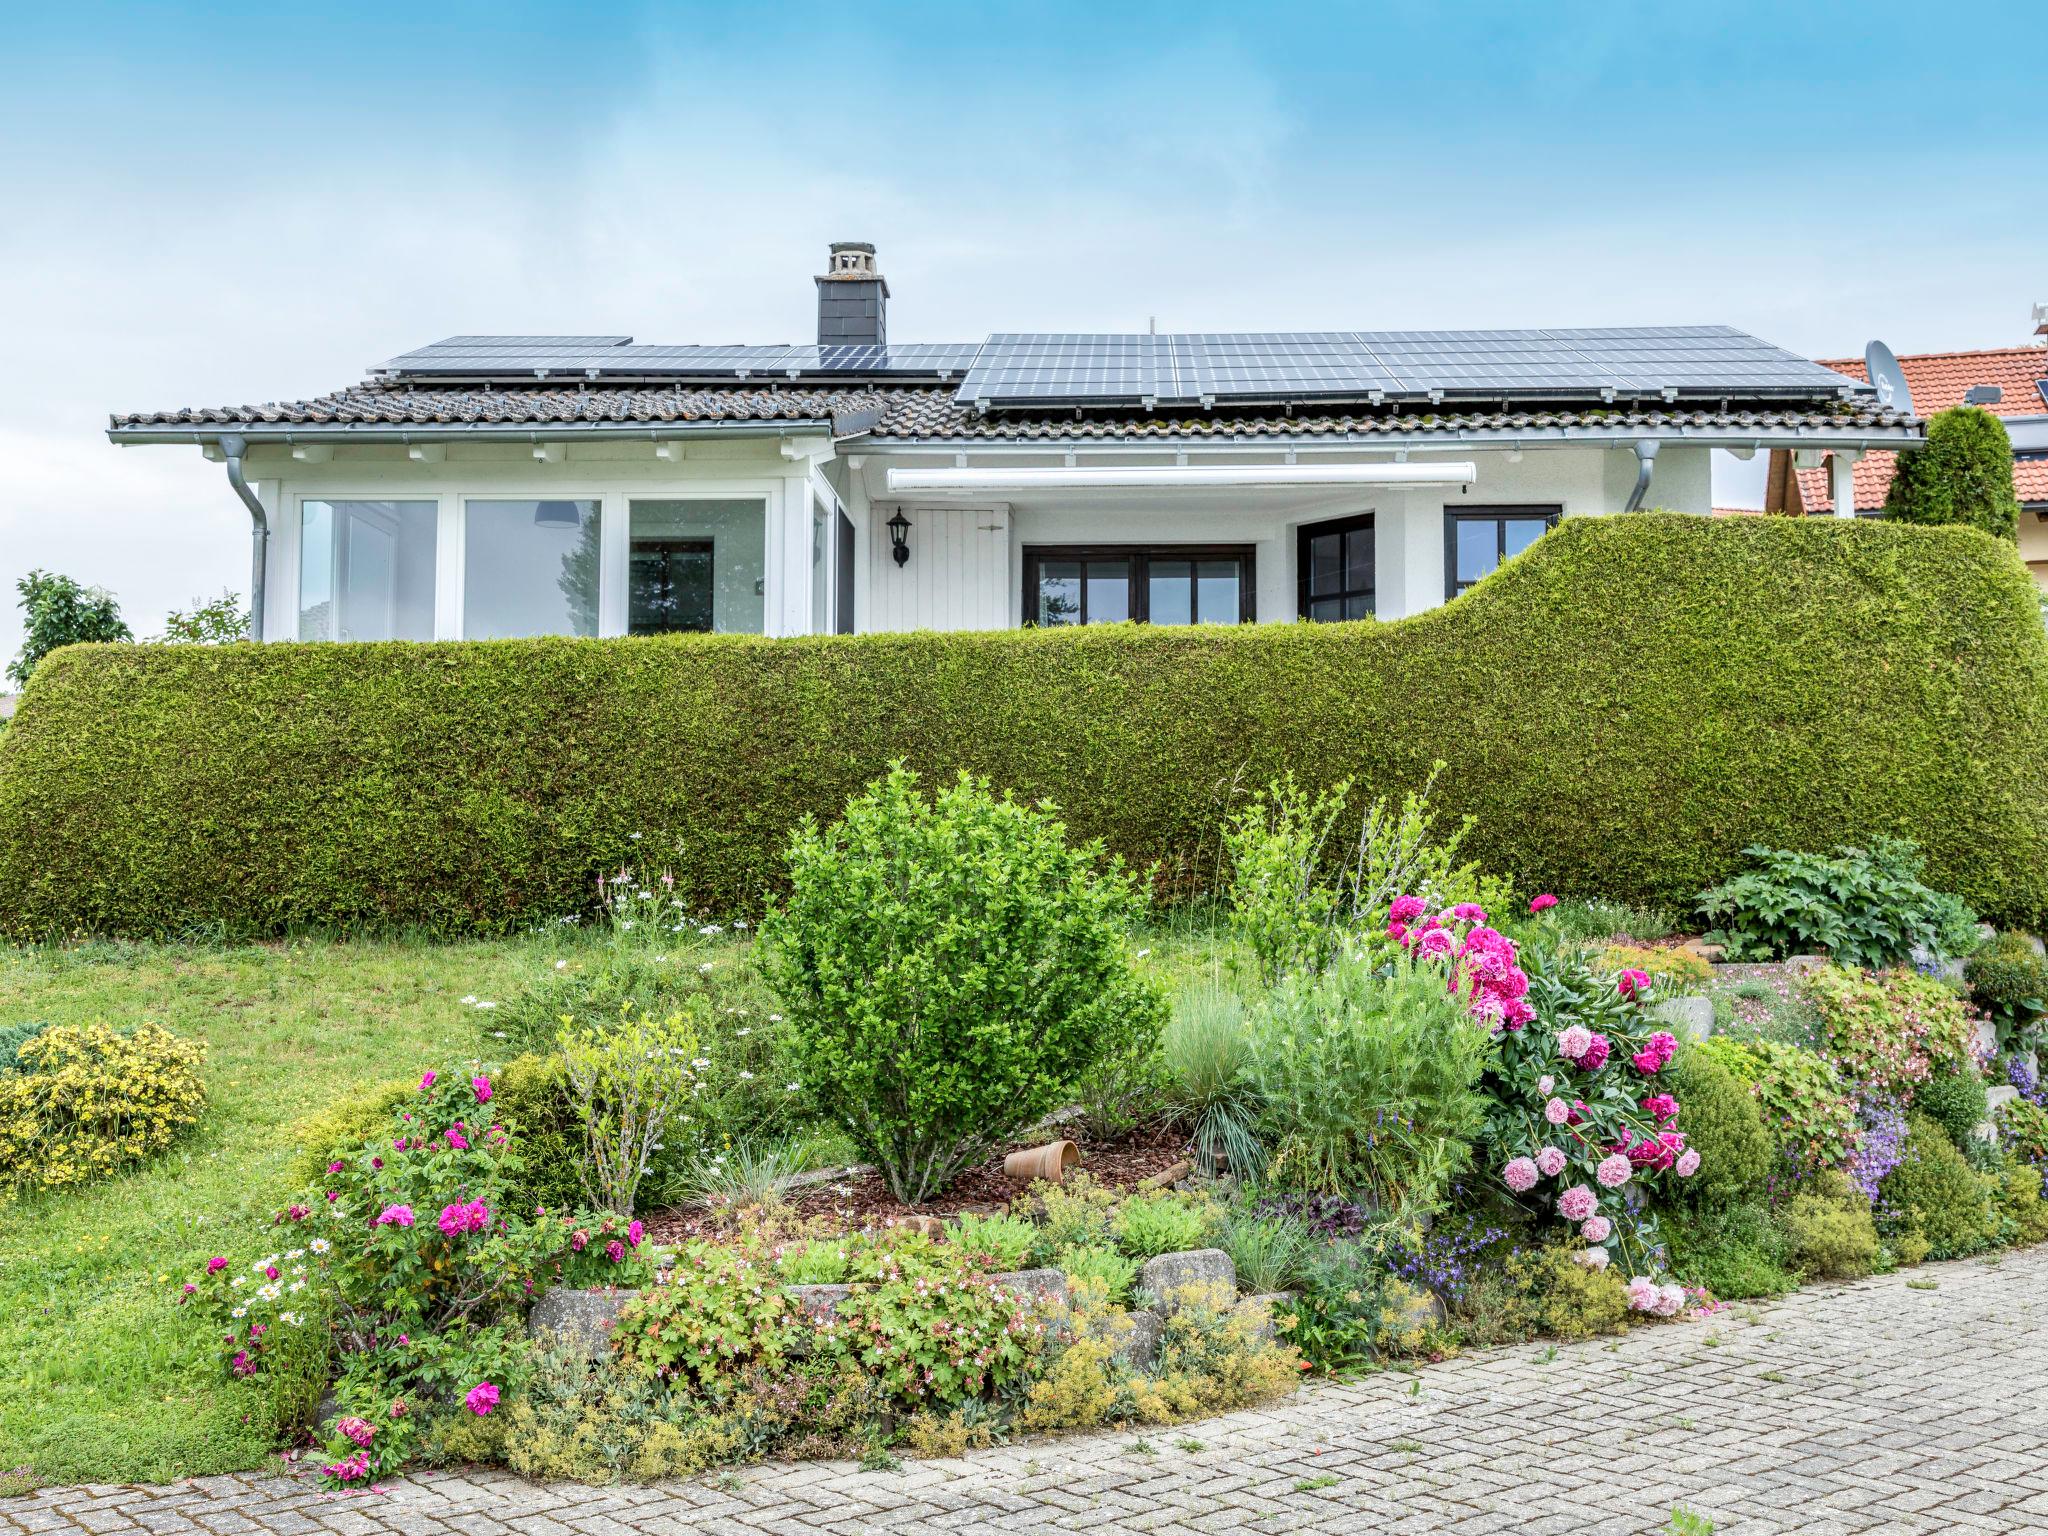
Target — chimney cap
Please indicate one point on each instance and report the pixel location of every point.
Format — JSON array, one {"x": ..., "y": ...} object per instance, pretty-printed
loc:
[{"x": 852, "y": 261}]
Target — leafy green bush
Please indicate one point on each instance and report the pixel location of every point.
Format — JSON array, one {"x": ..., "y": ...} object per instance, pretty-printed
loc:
[
  {"x": 2023, "y": 1127},
  {"x": 1148, "y": 1225},
  {"x": 632, "y": 1084},
  {"x": 1368, "y": 1078},
  {"x": 1934, "y": 1194},
  {"x": 536, "y": 1104},
  {"x": 1345, "y": 1302},
  {"x": 1103, "y": 1270},
  {"x": 949, "y": 966},
  {"x": 88, "y": 1100},
  {"x": 1734, "y": 1250},
  {"x": 1722, "y": 1123},
  {"x": 1546, "y": 1291},
  {"x": 1955, "y": 1098},
  {"x": 1865, "y": 907},
  {"x": 822, "y": 1261},
  {"x": 1961, "y": 474},
  {"x": 1807, "y": 1109},
  {"x": 722, "y": 1314},
  {"x": 481, "y": 786},
  {"x": 1888, "y": 1032},
  {"x": 1005, "y": 1241},
  {"x": 1828, "y": 1231},
  {"x": 2010, "y": 983},
  {"x": 56, "y": 612},
  {"x": 2023, "y": 1214},
  {"x": 338, "y": 1130}
]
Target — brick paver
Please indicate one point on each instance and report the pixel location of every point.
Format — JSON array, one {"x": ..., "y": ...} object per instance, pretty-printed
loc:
[{"x": 1914, "y": 1402}]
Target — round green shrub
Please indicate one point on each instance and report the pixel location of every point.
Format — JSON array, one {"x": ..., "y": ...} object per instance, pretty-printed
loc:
[
  {"x": 1806, "y": 1108},
  {"x": 2010, "y": 983},
  {"x": 1955, "y": 1098},
  {"x": 88, "y": 1100},
  {"x": 533, "y": 1100},
  {"x": 1828, "y": 1231},
  {"x": 1962, "y": 474},
  {"x": 1735, "y": 1250},
  {"x": 949, "y": 966},
  {"x": 1933, "y": 1194},
  {"x": 1720, "y": 1119},
  {"x": 335, "y": 1133}
]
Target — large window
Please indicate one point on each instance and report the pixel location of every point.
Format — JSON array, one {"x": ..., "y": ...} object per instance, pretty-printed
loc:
[
  {"x": 366, "y": 570},
  {"x": 697, "y": 565},
  {"x": 1105, "y": 584},
  {"x": 1334, "y": 569},
  {"x": 1476, "y": 542},
  {"x": 529, "y": 568}
]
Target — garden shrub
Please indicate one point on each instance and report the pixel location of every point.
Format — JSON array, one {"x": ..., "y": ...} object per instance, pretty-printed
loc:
[
  {"x": 1828, "y": 1231},
  {"x": 1722, "y": 1122},
  {"x": 2023, "y": 1128},
  {"x": 1865, "y": 907},
  {"x": 1149, "y": 1224},
  {"x": 1586, "y": 920},
  {"x": 949, "y": 967},
  {"x": 821, "y": 1261},
  {"x": 633, "y": 1086},
  {"x": 1807, "y": 1109},
  {"x": 1368, "y": 1080},
  {"x": 1956, "y": 1099},
  {"x": 722, "y": 1313},
  {"x": 1734, "y": 1250},
  {"x": 88, "y": 1100},
  {"x": 1961, "y": 474},
  {"x": 1100, "y": 1270},
  {"x": 1076, "y": 1214},
  {"x": 1623, "y": 710},
  {"x": 2023, "y": 1214},
  {"x": 1936, "y": 1195},
  {"x": 1888, "y": 1032},
  {"x": 930, "y": 1327},
  {"x": 536, "y": 1103},
  {"x": 2009, "y": 982},
  {"x": 343, "y": 1126},
  {"x": 1005, "y": 1242},
  {"x": 1555, "y": 1295},
  {"x": 1345, "y": 1301}
]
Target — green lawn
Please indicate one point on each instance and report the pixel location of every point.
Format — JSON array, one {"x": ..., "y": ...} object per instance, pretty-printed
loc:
[{"x": 101, "y": 1376}]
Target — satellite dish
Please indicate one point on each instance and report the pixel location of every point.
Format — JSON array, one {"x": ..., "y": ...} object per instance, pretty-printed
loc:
[{"x": 1887, "y": 378}]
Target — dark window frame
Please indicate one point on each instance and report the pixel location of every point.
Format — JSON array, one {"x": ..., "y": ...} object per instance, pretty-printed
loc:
[
  {"x": 1309, "y": 531},
  {"x": 1140, "y": 556},
  {"x": 1500, "y": 517}
]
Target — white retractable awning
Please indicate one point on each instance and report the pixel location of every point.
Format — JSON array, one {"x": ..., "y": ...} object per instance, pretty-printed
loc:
[{"x": 1143, "y": 477}]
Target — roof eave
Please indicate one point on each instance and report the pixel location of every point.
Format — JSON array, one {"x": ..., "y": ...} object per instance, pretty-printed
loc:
[{"x": 291, "y": 434}]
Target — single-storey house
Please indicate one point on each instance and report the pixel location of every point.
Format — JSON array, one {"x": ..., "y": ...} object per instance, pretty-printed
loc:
[
  {"x": 491, "y": 486},
  {"x": 2009, "y": 382}
]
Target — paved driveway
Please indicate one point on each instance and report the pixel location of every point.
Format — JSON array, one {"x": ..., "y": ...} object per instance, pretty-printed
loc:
[{"x": 1914, "y": 1402}]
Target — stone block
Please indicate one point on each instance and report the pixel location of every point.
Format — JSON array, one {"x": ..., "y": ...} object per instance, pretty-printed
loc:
[
  {"x": 817, "y": 1302},
  {"x": 577, "y": 1320},
  {"x": 1984, "y": 1038},
  {"x": 1170, "y": 1272},
  {"x": 1140, "y": 1347},
  {"x": 1260, "y": 1307},
  {"x": 1048, "y": 1287},
  {"x": 1690, "y": 1016}
]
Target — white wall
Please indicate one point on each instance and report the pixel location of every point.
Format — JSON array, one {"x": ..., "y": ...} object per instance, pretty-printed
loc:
[{"x": 957, "y": 576}]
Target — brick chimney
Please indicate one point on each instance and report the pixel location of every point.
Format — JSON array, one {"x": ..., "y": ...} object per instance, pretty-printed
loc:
[{"x": 853, "y": 299}]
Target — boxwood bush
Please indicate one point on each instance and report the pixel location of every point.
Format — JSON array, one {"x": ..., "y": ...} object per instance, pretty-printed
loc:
[{"x": 1624, "y": 709}]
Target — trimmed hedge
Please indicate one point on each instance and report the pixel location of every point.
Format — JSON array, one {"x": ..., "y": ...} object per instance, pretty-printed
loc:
[{"x": 1624, "y": 708}]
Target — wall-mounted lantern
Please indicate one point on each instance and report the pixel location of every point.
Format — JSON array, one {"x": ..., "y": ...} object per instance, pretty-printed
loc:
[{"x": 899, "y": 537}]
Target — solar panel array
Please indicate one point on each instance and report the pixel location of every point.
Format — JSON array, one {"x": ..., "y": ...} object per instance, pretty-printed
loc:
[{"x": 1201, "y": 368}]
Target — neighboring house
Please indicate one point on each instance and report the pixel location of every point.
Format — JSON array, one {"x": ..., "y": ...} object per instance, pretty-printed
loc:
[
  {"x": 2010, "y": 382},
  {"x": 517, "y": 485}
]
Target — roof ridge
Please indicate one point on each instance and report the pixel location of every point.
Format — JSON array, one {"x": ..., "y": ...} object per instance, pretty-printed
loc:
[{"x": 1906, "y": 357}]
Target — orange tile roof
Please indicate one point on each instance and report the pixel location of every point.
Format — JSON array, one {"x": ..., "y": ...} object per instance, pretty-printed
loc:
[{"x": 1939, "y": 380}]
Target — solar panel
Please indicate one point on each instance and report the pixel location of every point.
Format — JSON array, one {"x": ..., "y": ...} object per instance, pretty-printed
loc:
[{"x": 460, "y": 355}]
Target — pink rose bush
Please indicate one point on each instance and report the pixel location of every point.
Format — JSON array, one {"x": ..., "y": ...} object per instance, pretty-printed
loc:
[{"x": 1483, "y": 965}]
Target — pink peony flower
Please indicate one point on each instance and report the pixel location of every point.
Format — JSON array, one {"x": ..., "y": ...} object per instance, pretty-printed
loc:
[
  {"x": 1632, "y": 983},
  {"x": 334, "y": 1167},
  {"x": 1642, "y": 1292},
  {"x": 1661, "y": 1107},
  {"x": 1518, "y": 1012},
  {"x": 579, "y": 1240},
  {"x": 1397, "y": 931},
  {"x": 1577, "y": 1203},
  {"x": 1655, "y": 1055},
  {"x": 1689, "y": 1164},
  {"x": 1670, "y": 1301},
  {"x": 1541, "y": 903},
  {"x": 394, "y": 1216},
  {"x": 1406, "y": 909},
  {"x": 398, "y": 1408},
  {"x": 615, "y": 1250},
  {"x": 482, "y": 1398},
  {"x": 1545, "y": 1083},
  {"x": 1437, "y": 943},
  {"x": 1595, "y": 1056},
  {"x": 1614, "y": 1170},
  {"x": 242, "y": 1365},
  {"x": 1519, "y": 1174},
  {"x": 1557, "y": 1111},
  {"x": 1550, "y": 1162},
  {"x": 427, "y": 1080},
  {"x": 1573, "y": 1041},
  {"x": 634, "y": 1232},
  {"x": 481, "y": 1087},
  {"x": 1469, "y": 912},
  {"x": 1595, "y": 1229},
  {"x": 361, "y": 1431}
]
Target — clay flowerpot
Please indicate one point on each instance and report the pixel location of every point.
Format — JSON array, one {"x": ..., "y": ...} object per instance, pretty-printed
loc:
[{"x": 1049, "y": 1162}]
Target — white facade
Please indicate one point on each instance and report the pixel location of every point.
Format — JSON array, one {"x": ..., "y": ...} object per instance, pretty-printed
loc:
[{"x": 966, "y": 561}]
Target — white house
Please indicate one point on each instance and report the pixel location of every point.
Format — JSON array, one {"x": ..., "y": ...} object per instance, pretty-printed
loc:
[{"x": 519, "y": 485}]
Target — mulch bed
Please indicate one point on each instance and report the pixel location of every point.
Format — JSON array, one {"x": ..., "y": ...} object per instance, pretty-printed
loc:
[{"x": 862, "y": 1200}]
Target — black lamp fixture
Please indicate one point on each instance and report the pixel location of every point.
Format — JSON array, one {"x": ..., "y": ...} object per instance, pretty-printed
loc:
[{"x": 899, "y": 537}]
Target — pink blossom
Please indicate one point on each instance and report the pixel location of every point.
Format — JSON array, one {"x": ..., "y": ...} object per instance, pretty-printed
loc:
[
  {"x": 481, "y": 1087},
  {"x": 1595, "y": 1229},
  {"x": 427, "y": 1080},
  {"x": 1469, "y": 912},
  {"x": 1661, "y": 1107},
  {"x": 1541, "y": 903},
  {"x": 1550, "y": 1162},
  {"x": 1594, "y": 1259},
  {"x": 1573, "y": 1041},
  {"x": 1614, "y": 1171},
  {"x": 1642, "y": 1292},
  {"x": 1518, "y": 1012},
  {"x": 1632, "y": 983},
  {"x": 1595, "y": 1056},
  {"x": 457, "y": 1141},
  {"x": 579, "y": 1240},
  {"x": 1397, "y": 931},
  {"x": 1655, "y": 1055},
  {"x": 216, "y": 1264},
  {"x": 615, "y": 1250},
  {"x": 361, "y": 1431},
  {"x": 1577, "y": 1203},
  {"x": 335, "y": 1166},
  {"x": 1688, "y": 1164},
  {"x": 476, "y": 1216},
  {"x": 1436, "y": 943},
  {"x": 1557, "y": 1111},
  {"x": 394, "y": 1216},
  {"x": 1545, "y": 1083},
  {"x": 482, "y": 1398},
  {"x": 452, "y": 1222},
  {"x": 1519, "y": 1174},
  {"x": 1406, "y": 909},
  {"x": 634, "y": 1232},
  {"x": 242, "y": 1365},
  {"x": 1670, "y": 1301}
]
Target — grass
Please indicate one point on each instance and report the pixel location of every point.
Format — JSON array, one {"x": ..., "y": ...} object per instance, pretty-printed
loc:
[{"x": 105, "y": 1379}]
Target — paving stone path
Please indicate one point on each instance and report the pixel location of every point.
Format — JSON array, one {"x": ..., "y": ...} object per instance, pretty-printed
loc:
[{"x": 1914, "y": 1402}]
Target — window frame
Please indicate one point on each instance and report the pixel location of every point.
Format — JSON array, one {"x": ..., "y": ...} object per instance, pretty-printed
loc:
[
  {"x": 1500, "y": 516},
  {"x": 1140, "y": 557},
  {"x": 1335, "y": 525}
]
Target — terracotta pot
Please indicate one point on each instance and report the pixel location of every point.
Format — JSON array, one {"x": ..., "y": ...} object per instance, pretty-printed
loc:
[{"x": 1049, "y": 1162}]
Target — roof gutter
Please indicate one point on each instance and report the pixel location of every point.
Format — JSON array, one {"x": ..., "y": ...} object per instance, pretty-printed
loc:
[
  {"x": 232, "y": 447},
  {"x": 270, "y": 434}
]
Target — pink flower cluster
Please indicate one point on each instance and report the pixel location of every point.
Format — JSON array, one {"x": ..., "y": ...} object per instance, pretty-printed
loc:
[
  {"x": 1484, "y": 968},
  {"x": 1646, "y": 1295},
  {"x": 353, "y": 1468},
  {"x": 358, "y": 1431},
  {"x": 1582, "y": 1048},
  {"x": 458, "y": 1219},
  {"x": 1656, "y": 1054}
]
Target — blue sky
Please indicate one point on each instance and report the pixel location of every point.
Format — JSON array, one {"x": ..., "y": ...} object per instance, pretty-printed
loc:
[{"x": 209, "y": 204}]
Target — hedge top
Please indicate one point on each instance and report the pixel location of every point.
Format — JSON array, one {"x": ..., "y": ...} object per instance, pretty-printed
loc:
[{"x": 1624, "y": 708}]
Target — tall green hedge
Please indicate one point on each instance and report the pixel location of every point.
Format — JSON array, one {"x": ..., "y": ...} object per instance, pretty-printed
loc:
[{"x": 1623, "y": 708}]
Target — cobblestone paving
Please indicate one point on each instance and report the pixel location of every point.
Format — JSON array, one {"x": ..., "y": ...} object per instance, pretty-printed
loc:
[{"x": 1914, "y": 1402}]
